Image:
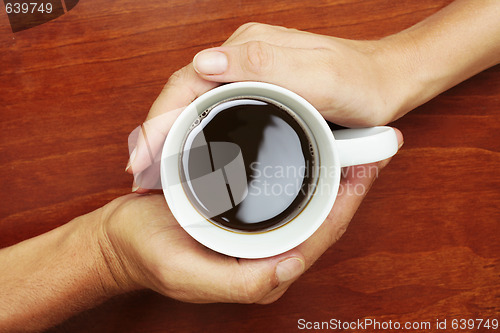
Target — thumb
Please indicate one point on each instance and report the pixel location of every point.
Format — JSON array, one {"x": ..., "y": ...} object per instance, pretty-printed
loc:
[
  {"x": 265, "y": 280},
  {"x": 252, "y": 61}
]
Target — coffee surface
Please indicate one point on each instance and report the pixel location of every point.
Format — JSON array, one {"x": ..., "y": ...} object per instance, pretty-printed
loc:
[{"x": 247, "y": 165}]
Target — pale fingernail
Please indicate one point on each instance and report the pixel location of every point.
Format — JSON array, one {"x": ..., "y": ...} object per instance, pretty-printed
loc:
[
  {"x": 135, "y": 186},
  {"x": 210, "y": 62},
  {"x": 401, "y": 145},
  {"x": 131, "y": 159},
  {"x": 289, "y": 269}
]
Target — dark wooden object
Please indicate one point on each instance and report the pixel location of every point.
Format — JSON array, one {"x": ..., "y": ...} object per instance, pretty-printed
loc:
[{"x": 423, "y": 246}]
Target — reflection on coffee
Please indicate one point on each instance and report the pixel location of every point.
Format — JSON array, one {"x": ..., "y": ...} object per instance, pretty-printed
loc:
[{"x": 248, "y": 164}]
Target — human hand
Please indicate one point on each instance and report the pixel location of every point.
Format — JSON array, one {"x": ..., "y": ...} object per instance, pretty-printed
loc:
[
  {"x": 350, "y": 82},
  {"x": 146, "y": 248}
]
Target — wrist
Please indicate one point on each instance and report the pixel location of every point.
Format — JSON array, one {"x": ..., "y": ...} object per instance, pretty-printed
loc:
[
  {"x": 42, "y": 273},
  {"x": 121, "y": 241},
  {"x": 401, "y": 84},
  {"x": 89, "y": 233},
  {"x": 443, "y": 50},
  {"x": 387, "y": 83},
  {"x": 416, "y": 75},
  {"x": 115, "y": 267}
]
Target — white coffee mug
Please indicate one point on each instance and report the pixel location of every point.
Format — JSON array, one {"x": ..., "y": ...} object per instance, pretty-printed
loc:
[{"x": 335, "y": 150}]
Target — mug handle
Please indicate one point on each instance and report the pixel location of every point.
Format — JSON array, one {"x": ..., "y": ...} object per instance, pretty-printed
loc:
[{"x": 365, "y": 145}]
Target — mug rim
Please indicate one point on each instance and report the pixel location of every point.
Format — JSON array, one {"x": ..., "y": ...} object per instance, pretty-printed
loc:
[{"x": 250, "y": 245}]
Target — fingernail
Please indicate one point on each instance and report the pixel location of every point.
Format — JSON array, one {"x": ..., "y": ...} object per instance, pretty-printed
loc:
[
  {"x": 131, "y": 159},
  {"x": 210, "y": 62},
  {"x": 289, "y": 269},
  {"x": 401, "y": 145},
  {"x": 135, "y": 186}
]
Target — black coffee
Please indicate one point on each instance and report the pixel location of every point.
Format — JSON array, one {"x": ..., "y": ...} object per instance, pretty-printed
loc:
[{"x": 248, "y": 164}]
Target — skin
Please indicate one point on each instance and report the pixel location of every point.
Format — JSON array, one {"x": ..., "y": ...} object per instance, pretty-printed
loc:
[
  {"x": 396, "y": 73},
  {"x": 134, "y": 242}
]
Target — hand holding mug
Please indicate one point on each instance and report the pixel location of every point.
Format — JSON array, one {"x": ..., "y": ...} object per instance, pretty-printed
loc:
[
  {"x": 147, "y": 259},
  {"x": 351, "y": 83},
  {"x": 251, "y": 169},
  {"x": 147, "y": 248}
]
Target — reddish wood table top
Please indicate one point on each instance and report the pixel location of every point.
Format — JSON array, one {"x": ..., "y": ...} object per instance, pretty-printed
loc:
[{"x": 423, "y": 246}]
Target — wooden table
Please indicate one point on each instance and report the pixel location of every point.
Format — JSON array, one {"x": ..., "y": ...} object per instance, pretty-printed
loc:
[{"x": 424, "y": 246}]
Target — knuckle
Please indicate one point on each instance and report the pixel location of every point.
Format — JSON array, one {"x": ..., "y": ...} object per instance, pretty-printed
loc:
[
  {"x": 271, "y": 298},
  {"x": 252, "y": 293},
  {"x": 338, "y": 234},
  {"x": 179, "y": 81},
  {"x": 375, "y": 115},
  {"x": 259, "y": 57},
  {"x": 176, "y": 78},
  {"x": 339, "y": 227},
  {"x": 249, "y": 297},
  {"x": 251, "y": 28},
  {"x": 253, "y": 288}
]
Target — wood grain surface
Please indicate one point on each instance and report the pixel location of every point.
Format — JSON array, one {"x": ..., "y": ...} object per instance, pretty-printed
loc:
[{"x": 423, "y": 246}]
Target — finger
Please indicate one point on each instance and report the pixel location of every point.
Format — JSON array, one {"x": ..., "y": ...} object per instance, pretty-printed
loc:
[
  {"x": 282, "y": 287},
  {"x": 254, "y": 31},
  {"x": 146, "y": 141},
  {"x": 233, "y": 280},
  {"x": 355, "y": 183},
  {"x": 261, "y": 61},
  {"x": 277, "y": 35},
  {"x": 148, "y": 179},
  {"x": 180, "y": 90},
  {"x": 275, "y": 294},
  {"x": 253, "y": 60},
  {"x": 286, "y": 268},
  {"x": 136, "y": 188}
]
